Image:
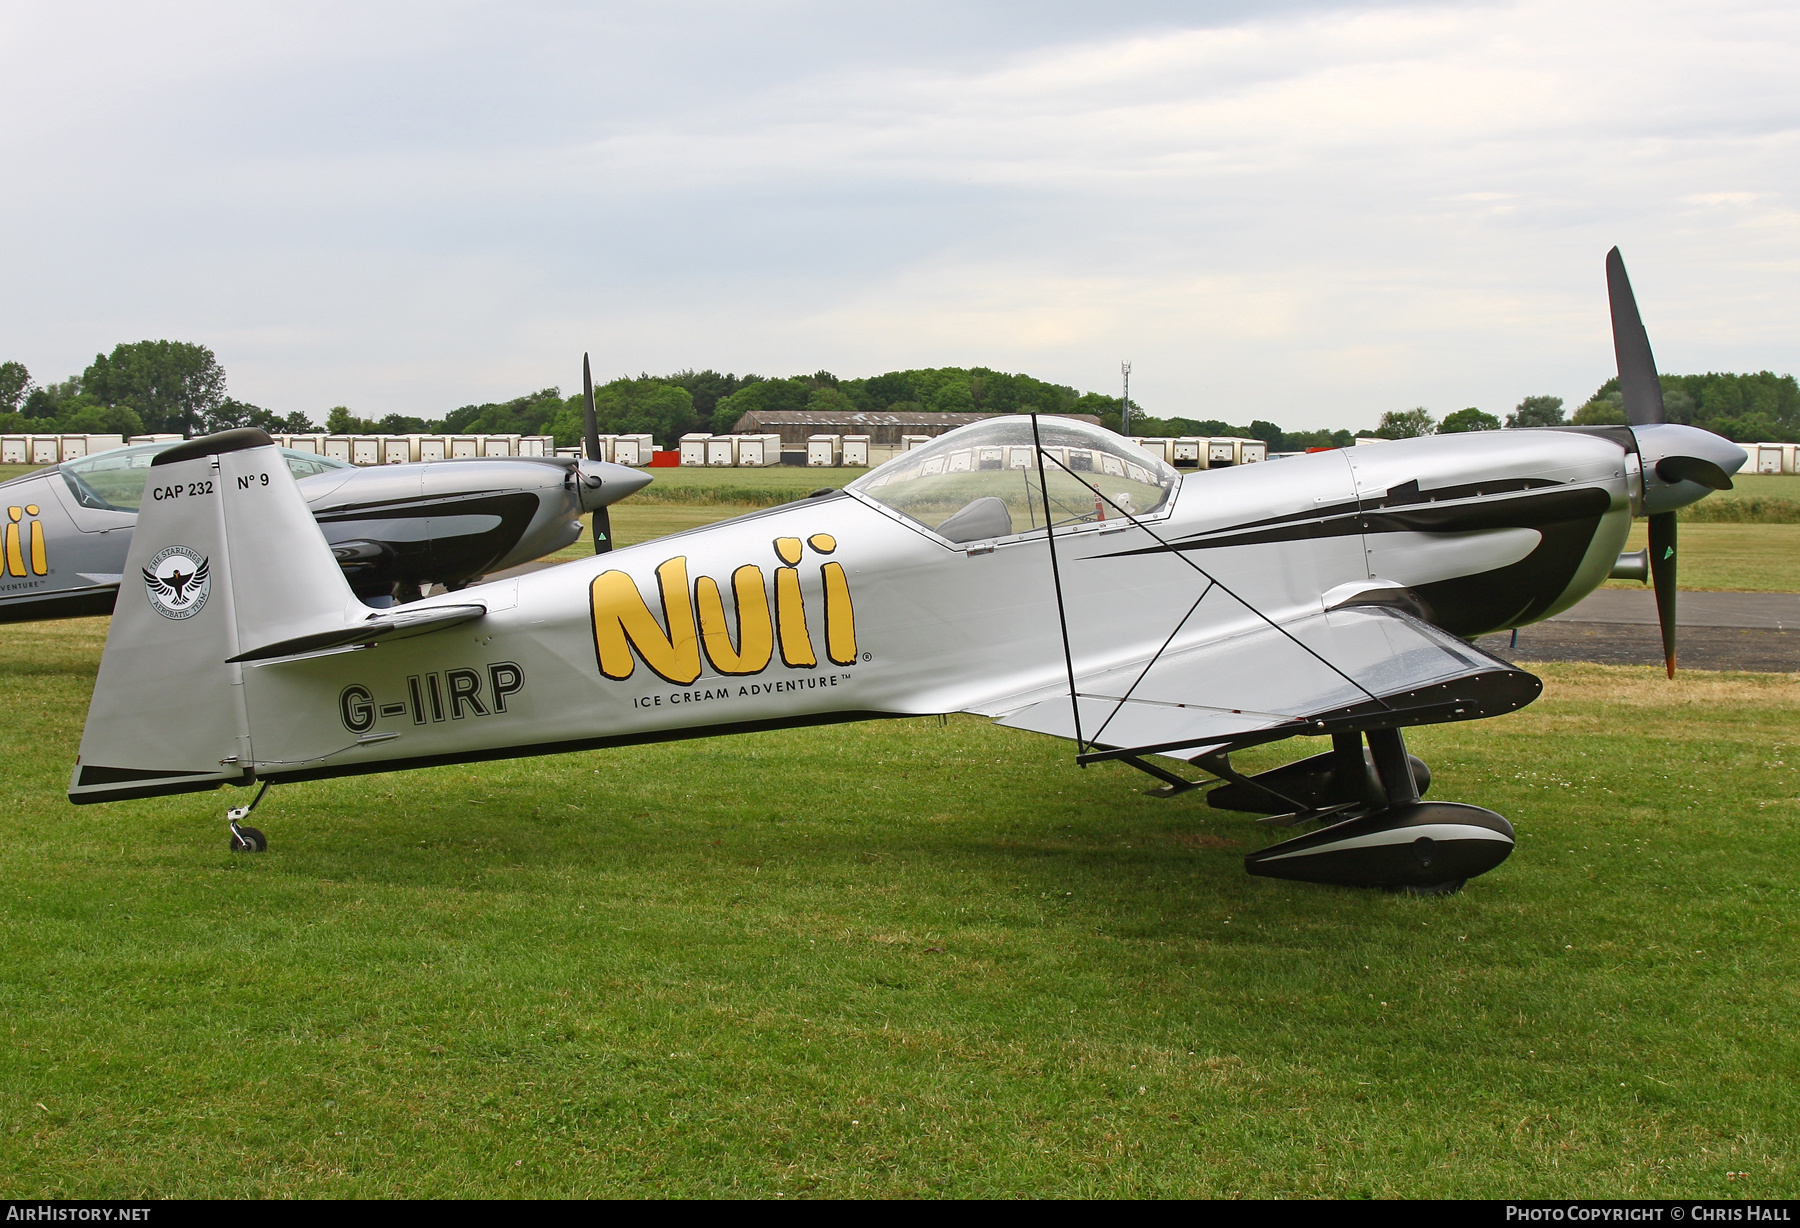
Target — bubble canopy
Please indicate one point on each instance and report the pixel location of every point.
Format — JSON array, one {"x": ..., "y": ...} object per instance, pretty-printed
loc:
[
  {"x": 114, "y": 480},
  {"x": 980, "y": 482}
]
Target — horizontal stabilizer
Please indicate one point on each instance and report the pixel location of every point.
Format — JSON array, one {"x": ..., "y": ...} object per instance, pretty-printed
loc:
[
  {"x": 400, "y": 624},
  {"x": 1358, "y": 667}
]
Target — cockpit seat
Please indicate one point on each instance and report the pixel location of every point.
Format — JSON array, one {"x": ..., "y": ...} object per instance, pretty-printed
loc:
[{"x": 979, "y": 520}]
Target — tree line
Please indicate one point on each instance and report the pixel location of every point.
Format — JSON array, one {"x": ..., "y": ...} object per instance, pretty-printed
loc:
[
  {"x": 1749, "y": 408},
  {"x": 155, "y": 386}
]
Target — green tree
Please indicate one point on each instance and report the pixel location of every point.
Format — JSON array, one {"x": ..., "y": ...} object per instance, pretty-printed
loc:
[
  {"x": 526, "y": 415},
  {"x": 1537, "y": 411},
  {"x": 340, "y": 421},
  {"x": 1300, "y": 441},
  {"x": 52, "y": 401},
  {"x": 1406, "y": 423},
  {"x": 1470, "y": 419},
  {"x": 707, "y": 388},
  {"x": 1608, "y": 410},
  {"x": 760, "y": 396},
  {"x": 233, "y": 413},
  {"x": 830, "y": 400},
  {"x": 1746, "y": 407},
  {"x": 173, "y": 385},
  {"x": 91, "y": 419},
  {"x": 629, "y": 407},
  {"x": 953, "y": 397},
  {"x": 15, "y": 383},
  {"x": 882, "y": 392}
]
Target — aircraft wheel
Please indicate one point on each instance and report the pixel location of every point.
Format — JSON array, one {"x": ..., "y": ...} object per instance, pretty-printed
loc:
[
  {"x": 1449, "y": 887},
  {"x": 249, "y": 840}
]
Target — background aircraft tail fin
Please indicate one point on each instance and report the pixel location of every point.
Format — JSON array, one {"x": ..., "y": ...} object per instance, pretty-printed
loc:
[{"x": 225, "y": 559}]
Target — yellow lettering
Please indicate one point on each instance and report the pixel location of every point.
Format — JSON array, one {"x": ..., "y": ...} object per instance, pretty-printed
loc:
[
  {"x": 787, "y": 549},
  {"x": 840, "y": 616},
  {"x": 756, "y": 633},
  {"x": 623, "y": 622},
  {"x": 15, "y": 560},
  {"x": 40, "y": 561},
  {"x": 790, "y": 613}
]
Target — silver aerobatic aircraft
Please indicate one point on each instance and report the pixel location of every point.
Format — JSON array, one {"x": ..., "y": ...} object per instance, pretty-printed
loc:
[
  {"x": 394, "y": 529},
  {"x": 1041, "y": 572}
]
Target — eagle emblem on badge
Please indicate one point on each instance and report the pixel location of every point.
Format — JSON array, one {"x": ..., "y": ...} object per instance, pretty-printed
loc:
[{"x": 177, "y": 582}]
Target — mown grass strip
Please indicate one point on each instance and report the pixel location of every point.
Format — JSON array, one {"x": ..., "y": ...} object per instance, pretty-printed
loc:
[
  {"x": 1725, "y": 508},
  {"x": 901, "y": 959}
]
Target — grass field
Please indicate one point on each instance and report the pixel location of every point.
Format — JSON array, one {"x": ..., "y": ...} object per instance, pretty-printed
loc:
[
  {"x": 904, "y": 958},
  {"x": 1744, "y": 558}
]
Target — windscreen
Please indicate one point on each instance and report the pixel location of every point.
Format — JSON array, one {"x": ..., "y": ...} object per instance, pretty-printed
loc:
[
  {"x": 114, "y": 481},
  {"x": 981, "y": 481}
]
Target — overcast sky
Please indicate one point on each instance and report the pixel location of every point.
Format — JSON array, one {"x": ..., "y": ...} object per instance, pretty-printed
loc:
[{"x": 1308, "y": 212}]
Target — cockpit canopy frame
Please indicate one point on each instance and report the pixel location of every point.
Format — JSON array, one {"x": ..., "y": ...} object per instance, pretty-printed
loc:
[{"x": 979, "y": 483}]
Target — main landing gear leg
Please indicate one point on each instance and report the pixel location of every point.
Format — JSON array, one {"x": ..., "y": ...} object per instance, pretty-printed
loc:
[
  {"x": 1404, "y": 844},
  {"x": 247, "y": 839},
  {"x": 1388, "y": 748}
]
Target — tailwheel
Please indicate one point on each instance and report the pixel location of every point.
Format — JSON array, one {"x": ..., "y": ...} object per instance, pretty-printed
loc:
[{"x": 247, "y": 839}]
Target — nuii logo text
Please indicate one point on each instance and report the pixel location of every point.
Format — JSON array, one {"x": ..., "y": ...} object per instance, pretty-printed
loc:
[
  {"x": 25, "y": 543},
  {"x": 625, "y": 631}
]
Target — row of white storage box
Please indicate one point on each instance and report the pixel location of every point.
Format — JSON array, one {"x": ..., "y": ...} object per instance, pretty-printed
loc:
[
  {"x": 1016, "y": 456},
  {"x": 1772, "y": 457},
  {"x": 1203, "y": 452},
  {"x": 403, "y": 449},
  {"x": 700, "y": 450},
  {"x": 53, "y": 449},
  {"x": 1187, "y": 452},
  {"x": 406, "y": 449},
  {"x": 355, "y": 449}
]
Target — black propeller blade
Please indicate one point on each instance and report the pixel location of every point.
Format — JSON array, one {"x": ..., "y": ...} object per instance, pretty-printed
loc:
[
  {"x": 1631, "y": 345},
  {"x": 1662, "y": 574},
  {"x": 1642, "y": 392},
  {"x": 591, "y": 425}
]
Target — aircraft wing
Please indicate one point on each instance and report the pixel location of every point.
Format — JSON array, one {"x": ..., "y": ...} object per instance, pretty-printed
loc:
[{"x": 1357, "y": 667}]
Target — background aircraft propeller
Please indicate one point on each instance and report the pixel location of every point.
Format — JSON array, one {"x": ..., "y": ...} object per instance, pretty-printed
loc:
[{"x": 591, "y": 439}]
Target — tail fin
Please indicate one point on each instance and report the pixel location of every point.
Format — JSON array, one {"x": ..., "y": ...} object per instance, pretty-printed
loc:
[{"x": 225, "y": 559}]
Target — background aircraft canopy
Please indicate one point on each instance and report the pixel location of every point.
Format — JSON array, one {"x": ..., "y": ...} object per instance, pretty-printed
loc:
[
  {"x": 114, "y": 480},
  {"x": 980, "y": 481}
]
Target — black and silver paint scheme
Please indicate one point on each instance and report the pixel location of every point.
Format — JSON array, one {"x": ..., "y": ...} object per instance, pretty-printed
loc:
[
  {"x": 1043, "y": 573},
  {"x": 394, "y": 529}
]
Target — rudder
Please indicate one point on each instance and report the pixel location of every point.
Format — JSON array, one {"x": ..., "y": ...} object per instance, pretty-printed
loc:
[{"x": 225, "y": 558}]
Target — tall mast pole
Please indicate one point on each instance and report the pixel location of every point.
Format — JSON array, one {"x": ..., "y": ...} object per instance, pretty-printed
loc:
[{"x": 1125, "y": 401}]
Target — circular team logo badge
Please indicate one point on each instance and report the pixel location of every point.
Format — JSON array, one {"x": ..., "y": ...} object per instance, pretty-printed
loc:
[{"x": 177, "y": 582}]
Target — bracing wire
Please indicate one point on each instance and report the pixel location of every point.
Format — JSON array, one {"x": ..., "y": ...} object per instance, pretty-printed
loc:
[
  {"x": 1143, "y": 673},
  {"x": 1206, "y": 575},
  {"x": 1056, "y": 579}
]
